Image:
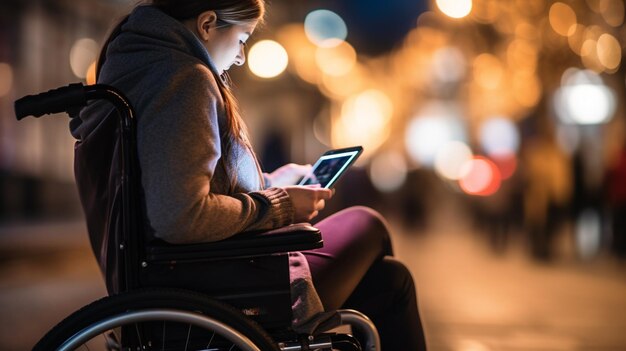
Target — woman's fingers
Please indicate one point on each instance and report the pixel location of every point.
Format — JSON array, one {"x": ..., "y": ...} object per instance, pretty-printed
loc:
[
  {"x": 313, "y": 215},
  {"x": 324, "y": 193},
  {"x": 320, "y": 205},
  {"x": 308, "y": 201}
]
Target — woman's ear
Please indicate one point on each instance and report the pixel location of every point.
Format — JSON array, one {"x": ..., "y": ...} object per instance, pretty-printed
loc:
[{"x": 205, "y": 22}]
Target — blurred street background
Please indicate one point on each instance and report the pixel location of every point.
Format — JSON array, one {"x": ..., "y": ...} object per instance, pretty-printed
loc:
[{"x": 495, "y": 143}]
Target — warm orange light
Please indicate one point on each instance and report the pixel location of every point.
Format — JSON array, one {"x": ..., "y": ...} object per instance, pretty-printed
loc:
[
  {"x": 488, "y": 71},
  {"x": 301, "y": 52},
  {"x": 526, "y": 88},
  {"x": 613, "y": 12},
  {"x": 481, "y": 177},
  {"x": 609, "y": 51},
  {"x": 337, "y": 60},
  {"x": 576, "y": 39},
  {"x": 589, "y": 55},
  {"x": 522, "y": 54},
  {"x": 90, "y": 77},
  {"x": 562, "y": 18}
]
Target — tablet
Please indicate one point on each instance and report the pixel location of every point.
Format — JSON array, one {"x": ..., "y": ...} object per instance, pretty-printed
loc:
[{"x": 327, "y": 170}]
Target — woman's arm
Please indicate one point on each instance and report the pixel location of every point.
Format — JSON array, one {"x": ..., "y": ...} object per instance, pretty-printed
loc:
[{"x": 179, "y": 149}]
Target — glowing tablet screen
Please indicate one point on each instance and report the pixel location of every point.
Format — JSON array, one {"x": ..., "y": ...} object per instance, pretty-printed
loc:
[{"x": 328, "y": 168}]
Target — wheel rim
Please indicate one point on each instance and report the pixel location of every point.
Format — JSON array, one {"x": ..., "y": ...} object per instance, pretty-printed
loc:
[{"x": 150, "y": 315}]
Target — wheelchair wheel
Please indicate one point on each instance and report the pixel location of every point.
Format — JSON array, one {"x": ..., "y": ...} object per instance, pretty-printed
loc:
[{"x": 157, "y": 319}]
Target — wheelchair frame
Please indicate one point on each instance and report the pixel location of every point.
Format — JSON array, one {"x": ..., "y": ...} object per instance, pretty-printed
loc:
[{"x": 246, "y": 249}]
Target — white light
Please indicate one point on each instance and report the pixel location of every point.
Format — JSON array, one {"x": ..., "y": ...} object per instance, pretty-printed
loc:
[
  {"x": 434, "y": 127},
  {"x": 388, "y": 171},
  {"x": 588, "y": 235},
  {"x": 325, "y": 28},
  {"x": 267, "y": 59},
  {"x": 585, "y": 104},
  {"x": 584, "y": 98},
  {"x": 82, "y": 54},
  {"x": 499, "y": 136},
  {"x": 455, "y": 8},
  {"x": 451, "y": 159}
]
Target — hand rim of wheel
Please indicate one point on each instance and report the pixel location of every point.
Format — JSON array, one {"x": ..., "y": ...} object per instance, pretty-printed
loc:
[{"x": 242, "y": 341}]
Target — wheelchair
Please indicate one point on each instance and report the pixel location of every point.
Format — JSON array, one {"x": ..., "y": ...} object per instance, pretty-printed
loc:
[{"x": 176, "y": 297}]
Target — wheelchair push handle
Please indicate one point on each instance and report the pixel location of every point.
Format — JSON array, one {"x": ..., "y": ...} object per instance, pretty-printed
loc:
[{"x": 53, "y": 101}]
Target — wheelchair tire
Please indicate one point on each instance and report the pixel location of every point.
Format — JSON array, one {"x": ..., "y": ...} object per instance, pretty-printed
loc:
[{"x": 175, "y": 309}]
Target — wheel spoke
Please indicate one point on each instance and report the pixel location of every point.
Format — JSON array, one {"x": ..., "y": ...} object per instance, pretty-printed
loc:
[
  {"x": 211, "y": 340},
  {"x": 139, "y": 335},
  {"x": 188, "y": 333}
]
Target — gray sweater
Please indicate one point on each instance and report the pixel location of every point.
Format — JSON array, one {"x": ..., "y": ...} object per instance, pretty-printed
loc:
[{"x": 165, "y": 71}]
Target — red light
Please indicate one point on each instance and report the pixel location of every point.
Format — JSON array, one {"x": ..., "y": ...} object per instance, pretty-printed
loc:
[
  {"x": 507, "y": 164},
  {"x": 480, "y": 177}
]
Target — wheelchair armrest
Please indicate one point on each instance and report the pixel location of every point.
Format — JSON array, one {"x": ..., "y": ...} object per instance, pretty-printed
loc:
[{"x": 295, "y": 237}]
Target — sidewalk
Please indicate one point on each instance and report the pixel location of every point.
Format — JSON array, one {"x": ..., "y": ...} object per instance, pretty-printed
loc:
[{"x": 473, "y": 299}]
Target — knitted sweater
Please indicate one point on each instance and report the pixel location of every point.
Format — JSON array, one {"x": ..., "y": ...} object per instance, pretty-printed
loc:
[{"x": 165, "y": 72}]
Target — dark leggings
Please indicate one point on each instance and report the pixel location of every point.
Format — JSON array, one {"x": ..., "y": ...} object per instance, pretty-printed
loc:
[{"x": 354, "y": 270}]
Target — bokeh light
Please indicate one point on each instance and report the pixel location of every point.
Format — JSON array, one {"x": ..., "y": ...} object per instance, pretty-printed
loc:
[
  {"x": 450, "y": 159},
  {"x": 609, "y": 51},
  {"x": 344, "y": 85},
  {"x": 267, "y": 59},
  {"x": 337, "y": 60},
  {"x": 480, "y": 176},
  {"x": 562, "y": 18},
  {"x": 583, "y": 98},
  {"x": 431, "y": 130},
  {"x": 449, "y": 64},
  {"x": 365, "y": 120},
  {"x": 612, "y": 11},
  {"x": 6, "y": 78},
  {"x": 488, "y": 71},
  {"x": 506, "y": 163},
  {"x": 588, "y": 233},
  {"x": 90, "y": 77},
  {"x": 455, "y": 8},
  {"x": 301, "y": 52},
  {"x": 82, "y": 54},
  {"x": 325, "y": 28},
  {"x": 499, "y": 136},
  {"x": 388, "y": 171},
  {"x": 526, "y": 88}
]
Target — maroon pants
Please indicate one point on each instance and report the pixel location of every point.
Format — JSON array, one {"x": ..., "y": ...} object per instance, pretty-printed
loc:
[{"x": 355, "y": 270}]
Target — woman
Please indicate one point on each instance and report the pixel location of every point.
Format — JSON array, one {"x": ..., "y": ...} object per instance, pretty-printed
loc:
[{"x": 200, "y": 177}]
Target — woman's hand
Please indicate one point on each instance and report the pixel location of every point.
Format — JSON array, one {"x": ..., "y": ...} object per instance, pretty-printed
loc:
[
  {"x": 288, "y": 174},
  {"x": 307, "y": 200}
]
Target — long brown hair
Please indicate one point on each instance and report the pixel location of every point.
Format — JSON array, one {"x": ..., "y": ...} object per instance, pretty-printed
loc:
[{"x": 229, "y": 12}]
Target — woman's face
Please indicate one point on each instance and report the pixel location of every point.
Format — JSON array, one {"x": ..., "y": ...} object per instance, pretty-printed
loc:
[
  {"x": 226, "y": 45},
  {"x": 224, "y": 42}
]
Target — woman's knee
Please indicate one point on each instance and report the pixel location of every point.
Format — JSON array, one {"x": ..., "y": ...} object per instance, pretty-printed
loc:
[{"x": 373, "y": 225}]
